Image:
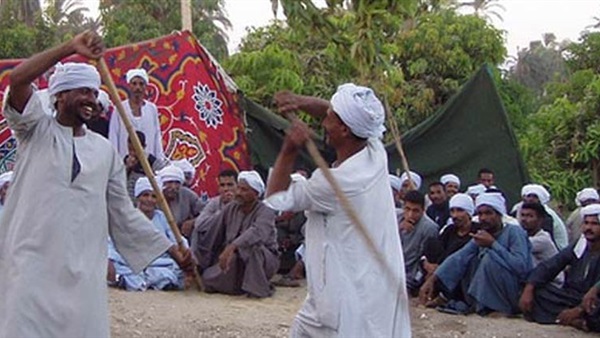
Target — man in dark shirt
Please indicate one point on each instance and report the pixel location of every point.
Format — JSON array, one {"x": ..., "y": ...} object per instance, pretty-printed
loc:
[
  {"x": 545, "y": 303},
  {"x": 438, "y": 211}
]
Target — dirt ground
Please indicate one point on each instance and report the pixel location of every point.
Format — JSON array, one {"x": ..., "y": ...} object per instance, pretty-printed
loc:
[{"x": 194, "y": 314}]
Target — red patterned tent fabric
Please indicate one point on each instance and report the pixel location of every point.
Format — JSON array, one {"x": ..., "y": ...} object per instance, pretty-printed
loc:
[{"x": 200, "y": 117}]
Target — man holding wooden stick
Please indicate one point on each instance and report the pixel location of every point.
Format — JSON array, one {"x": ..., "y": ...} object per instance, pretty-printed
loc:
[
  {"x": 350, "y": 293},
  {"x": 68, "y": 194}
]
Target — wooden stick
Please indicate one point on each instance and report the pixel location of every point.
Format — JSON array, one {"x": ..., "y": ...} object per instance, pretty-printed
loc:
[
  {"x": 344, "y": 202},
  {"x": 398, "y": 143},
  {"x": 141, "y": 155}
]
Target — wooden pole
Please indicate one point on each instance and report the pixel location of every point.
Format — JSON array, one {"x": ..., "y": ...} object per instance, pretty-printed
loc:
[
  {"x": 396, "y": 134},
  {"x": 186, "y": 15},
  {"x": 141, "y": 155}
]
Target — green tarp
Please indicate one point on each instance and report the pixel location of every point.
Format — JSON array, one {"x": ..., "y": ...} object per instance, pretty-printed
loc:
[{"x": 469, "y": 132}]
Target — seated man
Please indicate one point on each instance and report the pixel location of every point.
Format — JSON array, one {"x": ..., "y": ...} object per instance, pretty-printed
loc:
[
  {"x": 183, "y": 202},
  {"x": 163, "y": 273},
  {"x": 438, "y": 211},
  {"x": 451, "y": 239},
  {"x": 542, "y": 246},
  {"x": 545, "y": 303},
  {"x": 227, "y": 186},
  {"x": 189, "y": 172},
  {"x": 584, "y": 198},
  {"x": 415, "y": 230},
  {"x": 451, "y": 184},
  {"x": 133, "y": 167},
  {"x": 238, "y": 254},
  {"x": 489, "y": 269},
  {"x": 535, "y": 193}
]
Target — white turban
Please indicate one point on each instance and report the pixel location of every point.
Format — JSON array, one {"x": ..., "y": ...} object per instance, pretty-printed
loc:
[
  {"x": 586, "y": 194},
  {"x": 538, "y": 190},
  {"x": 464, "y": 202},
  {"x": 6, "y": 178},
  {"x": 360, "y": 110},
  {"x": 143, "y": 184},
  {"x": 395, "y": 182},
  {"x": 73, "y": 75},
  {"x": 137, "y": 72},
  {"x": 254, "y": 181},
  {"x": 493, "y": 200},
  {"x": 413, "y": 176},
  {"x": 450, "y": 178},
  {"x": 476, "y": 189},
  {"x": 590, "y": 210},
  {"x": 171, "y": 173},
  {"x": 104, "y": 101},
  {"x": 185, "y": 166}
]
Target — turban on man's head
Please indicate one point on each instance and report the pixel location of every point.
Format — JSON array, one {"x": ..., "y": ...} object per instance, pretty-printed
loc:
[
  {"x": 585, "y": 195},
  {"x": 476, "y": 189},
  {"x": 359, "y": 109},
  {"x": 450, "y": 178},
  {"x": 395, "y": 182},
  {"x": 73, "y": 75},
  {"x": 538, "y": 190},
  {"x": 185, "y": 166},
  {"x": 462, "y": 201},
  {"x": 104, "y": 101},
  {"x": 493, "y": 200},
  {"x": 171, "y": 173},
  {"x": 253, "y": 179},
  {"x": 139, "y": 72},
  {"x": 416, "y": 178},
  {"x": 591, "y": 210},
  {"x": 6, "y": 178},
  {"x": 143, "y": 184}
]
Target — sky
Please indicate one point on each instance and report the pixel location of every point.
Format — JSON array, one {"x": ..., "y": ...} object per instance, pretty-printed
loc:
[{"x": 524, "y": 20}]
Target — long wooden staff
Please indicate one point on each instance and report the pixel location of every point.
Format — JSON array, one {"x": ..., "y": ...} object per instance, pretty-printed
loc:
[
  {"x": 396, "y": 134},
  {"x": 141, "y": 155},
  {"x": 345, "y": 203}
]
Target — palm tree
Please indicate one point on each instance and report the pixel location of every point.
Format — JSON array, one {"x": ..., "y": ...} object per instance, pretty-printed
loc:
[
  {"x": 21, "y": 10},
  {"x": 485, "y": 8}
]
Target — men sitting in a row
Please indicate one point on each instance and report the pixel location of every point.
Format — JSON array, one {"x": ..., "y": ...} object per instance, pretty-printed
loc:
[
  {"x": 236, "y": 248},
  {"x": 163, "y": 273},
  {"x": 545, "y": 303},
  {"x": 489, "y": 270}
]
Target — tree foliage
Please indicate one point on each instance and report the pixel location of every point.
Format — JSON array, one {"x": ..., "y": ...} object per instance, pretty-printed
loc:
[
  {"x": 414, "y": 57},
  {"x": 130, "y": 21}
]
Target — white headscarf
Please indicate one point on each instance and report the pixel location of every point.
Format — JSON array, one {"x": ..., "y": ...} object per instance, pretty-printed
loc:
[
  {"x": 171, "y": 173},
  {"x": 104, "y": 101},
  {"x": 493, "y": 200},
  {"x": 185, "y": 166},
  {"x": 416, "y": 178},
  {"x": 450, "y": 178},
  {"x": 6, "y": 178},
  {"x": 254, "y": 181},
  {"x": 73, "y": 75},
  {"x": 136, "y": 72},
  {"x": 359, "y": 109},
  {"x": 476, "y": 189},
  {"x": 143, "y": 184},
  {"x": 462, "y": 201},
  {"x": 538, "y": 190},
  {"x": 395, "y": 182},
  {"x": 590, "y": 210},
  {"x": 586, "y": 194}
]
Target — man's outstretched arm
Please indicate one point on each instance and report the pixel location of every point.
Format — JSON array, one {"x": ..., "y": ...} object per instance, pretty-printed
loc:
[{"x": 87, "y": 44}]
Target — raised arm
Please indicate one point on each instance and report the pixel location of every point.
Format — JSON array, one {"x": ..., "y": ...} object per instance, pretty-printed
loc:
[
  {"x": 88, "y": 44},
  {"x": 288, "y": 102}
]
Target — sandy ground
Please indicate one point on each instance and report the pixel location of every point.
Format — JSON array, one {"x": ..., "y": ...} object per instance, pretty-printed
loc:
[{"x": 194, "y": 314}]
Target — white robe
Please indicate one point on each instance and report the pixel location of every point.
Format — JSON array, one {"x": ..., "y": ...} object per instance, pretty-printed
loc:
[
  {"x": 349, "y": 292},
  {"x": 147, "y": 123},
  {"x": 53, "y": 232}
]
